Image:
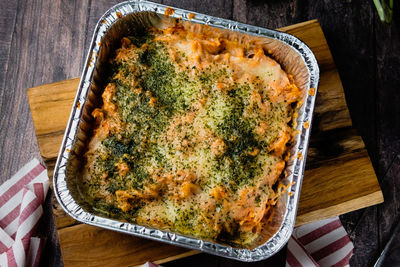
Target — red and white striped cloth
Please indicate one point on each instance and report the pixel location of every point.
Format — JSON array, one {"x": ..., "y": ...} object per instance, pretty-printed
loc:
[
  {"x": 21, "y": 199},
  {"x": 322, "y": 243}
]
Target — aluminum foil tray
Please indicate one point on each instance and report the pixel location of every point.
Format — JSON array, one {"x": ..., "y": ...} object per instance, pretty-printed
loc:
[{"x": 124, "y": 19}]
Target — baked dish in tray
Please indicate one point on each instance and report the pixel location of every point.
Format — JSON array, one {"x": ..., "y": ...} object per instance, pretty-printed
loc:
[{"x": 192, "y": 135}]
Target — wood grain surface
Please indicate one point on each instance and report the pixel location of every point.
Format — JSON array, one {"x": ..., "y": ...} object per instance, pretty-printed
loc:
[
  {"x": 327, "y": 170},
  {"x": 43, "y": 41}
]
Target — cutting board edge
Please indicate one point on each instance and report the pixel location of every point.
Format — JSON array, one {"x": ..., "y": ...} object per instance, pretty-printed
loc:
[
  {"x": 369, "y": 200},
  {"x": 177, "y": 257}
]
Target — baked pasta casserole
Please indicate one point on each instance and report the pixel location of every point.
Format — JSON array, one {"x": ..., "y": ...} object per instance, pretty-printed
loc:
[{"x": 192, "y": 134}]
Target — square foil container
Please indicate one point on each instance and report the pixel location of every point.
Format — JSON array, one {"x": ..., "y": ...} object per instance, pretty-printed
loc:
[{"x": 124, "y": 19}]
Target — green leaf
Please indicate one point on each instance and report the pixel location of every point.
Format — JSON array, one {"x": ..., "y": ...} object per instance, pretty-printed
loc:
[{"x": 385, "y": 10}]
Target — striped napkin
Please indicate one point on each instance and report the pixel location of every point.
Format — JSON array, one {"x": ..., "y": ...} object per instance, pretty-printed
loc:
[
  {"x": 21, "y": 199},
  {"x": 322, "y": 243}
]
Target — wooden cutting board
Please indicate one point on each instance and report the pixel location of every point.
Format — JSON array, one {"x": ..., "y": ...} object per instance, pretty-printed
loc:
[{"x": 339, "y": 176}]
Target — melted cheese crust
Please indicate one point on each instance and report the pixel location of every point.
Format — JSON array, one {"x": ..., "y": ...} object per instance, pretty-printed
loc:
[{"x": 192, "y": 134}]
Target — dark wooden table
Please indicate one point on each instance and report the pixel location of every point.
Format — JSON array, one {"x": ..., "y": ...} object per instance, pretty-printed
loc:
[{"x": 47, "y": 41}]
